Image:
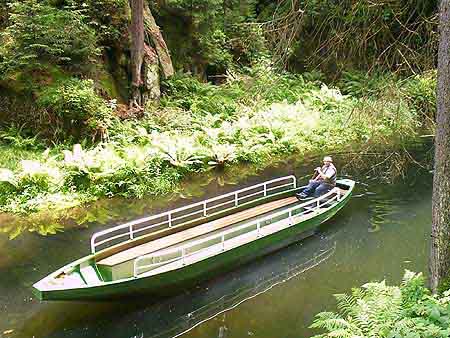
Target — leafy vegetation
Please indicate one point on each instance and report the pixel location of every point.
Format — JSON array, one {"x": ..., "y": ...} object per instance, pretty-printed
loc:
[
  {"x": 76, "y": 105},
  {"x": 72, "y": 145},
  {"x": 38, "y": 35},
  {"x": 260, "y": 114},
  {"x": 378, "y": 310}
]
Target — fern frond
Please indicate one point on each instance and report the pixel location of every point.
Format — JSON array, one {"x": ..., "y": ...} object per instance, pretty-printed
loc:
[
  {"x": 345, "y": 303},
  {"x": 377, "y": 310},
  {"x": 340, "y": 333}
]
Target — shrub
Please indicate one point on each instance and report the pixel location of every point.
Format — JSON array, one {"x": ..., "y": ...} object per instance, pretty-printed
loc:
[
  {"x": 180, "y": 151},
  {"x": 36, "y": 177},
  {"x": 214, "y": 47},
  {"x": 361, "y": 84},
  {"x": 8, "y": 184},
  {"x": 20, "y": 137},
  {"x": 107, "y": 18},
  {"x": 378, "y": 310},
  {"x": 77, "y": 104},
  {"x": 255, "y": 87},
  {"x": 40, "y": 34},
  {"x": 421, "y": 91}
]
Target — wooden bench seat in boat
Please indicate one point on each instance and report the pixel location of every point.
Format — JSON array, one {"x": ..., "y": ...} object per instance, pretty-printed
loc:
[{"x": 120, "y": 265}]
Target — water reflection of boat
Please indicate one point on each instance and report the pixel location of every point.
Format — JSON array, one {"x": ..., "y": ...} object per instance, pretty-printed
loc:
[
  {"x": 239, "y": 295},
  {"x": 174, "y": 316},
  {"x": 168, "y": 252}
]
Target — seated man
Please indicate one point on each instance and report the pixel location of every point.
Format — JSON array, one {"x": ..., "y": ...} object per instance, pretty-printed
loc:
[{"x": 323, "y": 181}]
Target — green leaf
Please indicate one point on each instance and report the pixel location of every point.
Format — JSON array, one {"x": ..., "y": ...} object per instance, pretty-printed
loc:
[{"x": 435, "y": 314}]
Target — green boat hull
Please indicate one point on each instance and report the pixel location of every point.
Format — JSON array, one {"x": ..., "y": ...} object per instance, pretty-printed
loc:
[{"x": 174, "y": 281}]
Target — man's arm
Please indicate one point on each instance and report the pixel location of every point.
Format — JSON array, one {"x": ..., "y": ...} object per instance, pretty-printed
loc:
[{"x": 329, "y": 174}]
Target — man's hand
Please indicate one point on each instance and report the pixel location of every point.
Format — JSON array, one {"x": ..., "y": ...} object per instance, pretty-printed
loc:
[{"x": 318, "y": 169}]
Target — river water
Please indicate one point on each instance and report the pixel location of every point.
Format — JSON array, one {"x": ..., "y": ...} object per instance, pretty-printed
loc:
[{"x": 382, "y": 231}]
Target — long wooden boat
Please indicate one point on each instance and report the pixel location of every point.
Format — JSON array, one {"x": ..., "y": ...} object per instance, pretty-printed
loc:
[{"x": 174, "y": 250}]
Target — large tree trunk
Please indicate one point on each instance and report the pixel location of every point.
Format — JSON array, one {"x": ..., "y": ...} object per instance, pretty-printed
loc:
[
  {"x": 146, "y": 60},
  {"x": 158, "y": 41},
  {"x": 440, "y": 233},
  {"x": 137, "y": 52},
  {"x": 151, "y": 68}
]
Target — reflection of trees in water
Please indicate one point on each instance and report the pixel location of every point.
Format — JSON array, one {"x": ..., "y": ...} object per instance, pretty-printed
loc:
[
  {"x": 387, "y": 172},
  {"x": 381, "y": 211},
  {"x": 43, "y": 224},
  {"x": 116, "y": 210},
  {"x": 385, "y": 166},
  {"x": 215, "y": 178},
  {"x": 50, "y": 222}
]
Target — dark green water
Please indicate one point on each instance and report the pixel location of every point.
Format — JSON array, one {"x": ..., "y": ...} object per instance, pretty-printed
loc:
[{"x": 381, "y": 232}]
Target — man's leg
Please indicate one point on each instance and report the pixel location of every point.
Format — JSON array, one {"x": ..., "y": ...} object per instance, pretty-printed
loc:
[
  {"x": 309, "y": 190},
  {"x": 322, "y": 189}
]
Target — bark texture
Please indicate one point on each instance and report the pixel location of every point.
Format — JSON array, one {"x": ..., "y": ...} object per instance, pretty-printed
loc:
[
  {"x": 440, "y": 232},
  {"x": 137, "y": 52},
  {"x": 151, "y": 69},
  {"x": 158, "y": 41}
]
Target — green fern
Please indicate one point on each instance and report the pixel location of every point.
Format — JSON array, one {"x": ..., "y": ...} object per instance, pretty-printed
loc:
[{"x": 381, "y": 311}]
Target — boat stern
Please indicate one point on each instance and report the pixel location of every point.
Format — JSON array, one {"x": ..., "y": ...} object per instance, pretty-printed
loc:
[{"x": 347, "y": 183}]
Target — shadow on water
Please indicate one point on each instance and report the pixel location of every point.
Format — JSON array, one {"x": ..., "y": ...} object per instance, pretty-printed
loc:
[{"x": 379, "y": 234}]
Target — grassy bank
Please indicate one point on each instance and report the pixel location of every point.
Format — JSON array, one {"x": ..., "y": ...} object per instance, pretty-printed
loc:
[{"x": 253, "y": 116}]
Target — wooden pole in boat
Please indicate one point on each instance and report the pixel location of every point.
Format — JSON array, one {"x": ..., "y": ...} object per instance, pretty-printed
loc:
[{"x": 314, "y": 176}]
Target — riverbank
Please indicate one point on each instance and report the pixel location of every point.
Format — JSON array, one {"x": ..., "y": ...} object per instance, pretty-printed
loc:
[{"x": 251, "y": 118}]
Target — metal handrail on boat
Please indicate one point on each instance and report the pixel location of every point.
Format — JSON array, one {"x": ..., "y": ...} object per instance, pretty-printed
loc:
[
  {"x": 181, "y": 253},
  {"x": 131, "y": 230}
]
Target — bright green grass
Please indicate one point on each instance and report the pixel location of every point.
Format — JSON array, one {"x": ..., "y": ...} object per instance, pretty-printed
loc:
[{"x": 10, "y": 156}]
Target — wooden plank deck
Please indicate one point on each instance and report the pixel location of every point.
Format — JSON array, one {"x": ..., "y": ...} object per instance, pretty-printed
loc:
[{"x": 197, "y": 231}]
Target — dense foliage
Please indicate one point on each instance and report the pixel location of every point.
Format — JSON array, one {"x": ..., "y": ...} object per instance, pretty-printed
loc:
[
  {"x": 253, "y": 117},
  {"x": 63, "y": 68},
  {"x": 339, "y": 35},
  {"x": 47, "y": 42},
  {"x": 378, "y": 310},
  {"x": 208, "y": 37},
  {"x": 77, "y": 106},
  {"x": 40, "y": 34}
]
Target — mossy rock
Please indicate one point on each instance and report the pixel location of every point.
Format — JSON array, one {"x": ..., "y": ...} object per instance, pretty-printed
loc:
[{"x": 111, "y": 78}]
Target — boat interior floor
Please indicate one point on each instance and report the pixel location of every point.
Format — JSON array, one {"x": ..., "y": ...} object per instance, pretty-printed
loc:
[{"x": 196, "y": 232}]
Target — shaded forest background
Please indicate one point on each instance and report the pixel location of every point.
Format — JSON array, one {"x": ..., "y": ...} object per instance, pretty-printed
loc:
[
  {"x": 61, "y": 61},
  {"x": 222, "y": 82}
]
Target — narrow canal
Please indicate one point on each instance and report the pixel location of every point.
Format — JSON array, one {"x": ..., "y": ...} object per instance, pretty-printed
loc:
[{"x": 381, "y": 232}]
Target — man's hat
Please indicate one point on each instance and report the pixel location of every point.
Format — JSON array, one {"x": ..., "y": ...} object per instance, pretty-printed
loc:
[{"x": 328, "y": 158}]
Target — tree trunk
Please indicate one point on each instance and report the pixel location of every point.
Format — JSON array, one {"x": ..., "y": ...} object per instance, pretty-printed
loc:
[
  {"x": 158, "y": 41},
  {"x": 440, "y": 232},
  {"x": 137, "y": 53},
  {"x": 151, "y": 68}
]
